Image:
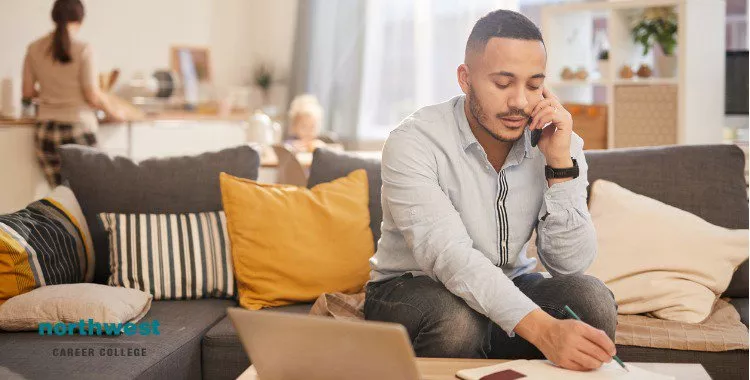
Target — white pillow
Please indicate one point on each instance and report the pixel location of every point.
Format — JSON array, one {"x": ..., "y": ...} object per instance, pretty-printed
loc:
[
  {"x": 659, "y": 259},
  {"x": 71, "y": 303}
]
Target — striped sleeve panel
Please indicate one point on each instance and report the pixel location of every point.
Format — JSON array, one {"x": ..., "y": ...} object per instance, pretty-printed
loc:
[{"x": 171, "y": 256}]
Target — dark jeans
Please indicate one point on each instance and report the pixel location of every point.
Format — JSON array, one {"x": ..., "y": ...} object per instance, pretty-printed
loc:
[{"x": 441, "y": 324}]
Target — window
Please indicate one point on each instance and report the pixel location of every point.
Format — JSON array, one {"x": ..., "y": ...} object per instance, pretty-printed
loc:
[{"x": 411, "y": 52}]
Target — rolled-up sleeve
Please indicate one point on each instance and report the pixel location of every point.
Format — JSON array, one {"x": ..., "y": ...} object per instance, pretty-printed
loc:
[
  {"x": 436, "y": 235},
  {"x": 566, "y": 238}
]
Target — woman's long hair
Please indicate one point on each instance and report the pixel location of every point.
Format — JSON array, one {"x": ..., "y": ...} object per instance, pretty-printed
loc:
[{"x": 63, "y": 13}]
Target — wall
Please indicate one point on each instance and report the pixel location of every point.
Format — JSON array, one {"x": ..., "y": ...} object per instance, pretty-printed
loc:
[{"x": 136, "y": 35}]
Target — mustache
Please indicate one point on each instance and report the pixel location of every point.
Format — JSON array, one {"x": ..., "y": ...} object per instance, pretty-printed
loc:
[{"x": 513, "y": 113}]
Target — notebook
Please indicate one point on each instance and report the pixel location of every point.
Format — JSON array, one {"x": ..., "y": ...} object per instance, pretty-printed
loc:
[{"x": 544, "y": 369}]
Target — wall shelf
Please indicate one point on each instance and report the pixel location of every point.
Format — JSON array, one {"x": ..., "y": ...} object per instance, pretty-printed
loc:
[{"x": 685, "y": 109}]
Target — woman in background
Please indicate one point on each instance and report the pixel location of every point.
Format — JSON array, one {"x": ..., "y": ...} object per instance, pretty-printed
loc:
[
  {"x": 305, "y": 118},
  {"x": 68, "y": 92}
]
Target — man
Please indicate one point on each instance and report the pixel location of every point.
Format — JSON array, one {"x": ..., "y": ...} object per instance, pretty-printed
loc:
[{"x": 463, "y": 189}]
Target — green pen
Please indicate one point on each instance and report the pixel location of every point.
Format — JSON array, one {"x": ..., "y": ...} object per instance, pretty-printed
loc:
[{"x": 572, "y": 314}]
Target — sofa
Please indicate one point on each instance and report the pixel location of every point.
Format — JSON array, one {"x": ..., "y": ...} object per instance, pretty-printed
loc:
[{"x": 198, "y": 341}]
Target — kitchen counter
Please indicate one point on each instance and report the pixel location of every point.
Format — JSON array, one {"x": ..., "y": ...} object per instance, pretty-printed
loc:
[{"x": 162, "y": 116}]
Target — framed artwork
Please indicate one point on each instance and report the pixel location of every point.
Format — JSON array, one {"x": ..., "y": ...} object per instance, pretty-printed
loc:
[{"x": 191, "y": 60}]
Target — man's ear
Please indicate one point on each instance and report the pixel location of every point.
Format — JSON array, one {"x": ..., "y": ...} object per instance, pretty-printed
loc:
[{"x": 463, "y": 77}]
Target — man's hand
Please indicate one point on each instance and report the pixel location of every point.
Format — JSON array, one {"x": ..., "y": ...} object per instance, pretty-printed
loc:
[
  {"x": 568, "y": 343},
  {"x": 555, "y": 140}
]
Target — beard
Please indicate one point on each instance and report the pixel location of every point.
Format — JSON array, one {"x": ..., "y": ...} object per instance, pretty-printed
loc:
[{"x": 483, "y": 119}]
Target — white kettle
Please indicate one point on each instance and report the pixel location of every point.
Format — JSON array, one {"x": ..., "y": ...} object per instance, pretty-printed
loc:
[{"x": 262, "y": 130}]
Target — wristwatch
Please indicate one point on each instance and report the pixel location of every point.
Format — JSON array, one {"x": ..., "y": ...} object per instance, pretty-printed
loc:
[{"x": 551, "y": 172}]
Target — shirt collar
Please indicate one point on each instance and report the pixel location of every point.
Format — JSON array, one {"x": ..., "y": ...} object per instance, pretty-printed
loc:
[{"x": 521, "y": 149}]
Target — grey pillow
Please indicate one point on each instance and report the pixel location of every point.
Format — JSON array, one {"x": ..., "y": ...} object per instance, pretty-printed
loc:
[
  {"x": 705, "y": 180},
  {"x": 327, "y": 165},
  {"x": 170, "y": 185}
]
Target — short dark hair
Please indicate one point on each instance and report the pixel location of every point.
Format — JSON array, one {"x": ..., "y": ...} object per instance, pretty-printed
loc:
[{"x": 504, "y": 24}]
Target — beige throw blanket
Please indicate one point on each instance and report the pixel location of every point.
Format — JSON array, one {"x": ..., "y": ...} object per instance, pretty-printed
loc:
[{"x": 722, "y": 331}]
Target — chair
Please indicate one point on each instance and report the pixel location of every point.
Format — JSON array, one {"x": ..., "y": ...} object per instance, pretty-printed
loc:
[{"x": 290, "y": 171}]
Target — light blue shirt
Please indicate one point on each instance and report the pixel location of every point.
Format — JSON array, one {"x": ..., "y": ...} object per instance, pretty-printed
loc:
[{"x": 449, "y": 215}]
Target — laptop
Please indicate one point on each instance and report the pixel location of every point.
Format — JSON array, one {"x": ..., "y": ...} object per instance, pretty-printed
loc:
[{"x": 294, "y": 346}]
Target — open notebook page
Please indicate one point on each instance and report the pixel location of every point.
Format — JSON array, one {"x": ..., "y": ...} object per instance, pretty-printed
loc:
[{"x": 544, "y": 369}]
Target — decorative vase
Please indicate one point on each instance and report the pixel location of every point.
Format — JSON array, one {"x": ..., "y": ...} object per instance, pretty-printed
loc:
[
  {"x": 666, "y": 65},
  {"x": 626, "y": 72},
  {"x": 567, "y": 73},
  {"x": 644, "y": 71},
  {"x": 603, "y": 68}
]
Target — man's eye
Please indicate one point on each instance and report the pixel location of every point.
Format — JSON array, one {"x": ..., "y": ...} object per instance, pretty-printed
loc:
[
  {"x": 502, "y": 86},
  {"x": 532, "y": 88}
]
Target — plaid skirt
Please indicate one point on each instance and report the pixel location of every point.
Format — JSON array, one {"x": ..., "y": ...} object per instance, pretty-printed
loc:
[{"x": 50, "y": 136}]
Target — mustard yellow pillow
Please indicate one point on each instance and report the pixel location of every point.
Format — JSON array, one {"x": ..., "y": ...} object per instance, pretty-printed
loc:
[{"x": 291, "y": 244}]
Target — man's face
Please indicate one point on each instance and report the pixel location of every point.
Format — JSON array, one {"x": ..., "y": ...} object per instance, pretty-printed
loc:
[{"x": 503, "y": 84}]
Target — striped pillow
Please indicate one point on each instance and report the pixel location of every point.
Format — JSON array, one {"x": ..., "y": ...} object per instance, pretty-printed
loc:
[
  {"x": 46, "y": 243},
  {"x": 171, "y": 256}
]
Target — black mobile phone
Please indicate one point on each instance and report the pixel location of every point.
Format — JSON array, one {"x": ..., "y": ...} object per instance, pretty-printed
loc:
[{"x": 535, "y": 136}]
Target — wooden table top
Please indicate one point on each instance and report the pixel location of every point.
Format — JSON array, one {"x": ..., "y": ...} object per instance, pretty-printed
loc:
[{"x": 445, "y": 369}]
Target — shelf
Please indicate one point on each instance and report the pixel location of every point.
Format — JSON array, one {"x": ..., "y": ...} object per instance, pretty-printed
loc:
[
  {"x": 642, "y": 81},
  {"x": 616, "y": 82},
  {"x": 577, "y": 82},
  {"x": 611, "y": 5}
]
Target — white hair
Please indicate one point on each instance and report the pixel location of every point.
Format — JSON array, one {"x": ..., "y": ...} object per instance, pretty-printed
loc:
[{"x": 306, "y": 104}]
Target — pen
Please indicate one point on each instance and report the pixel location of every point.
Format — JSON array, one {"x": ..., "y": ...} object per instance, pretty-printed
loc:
[{"x": 572, "y": 314}]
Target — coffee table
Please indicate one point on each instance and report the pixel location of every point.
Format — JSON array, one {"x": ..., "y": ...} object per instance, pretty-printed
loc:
[{"x": 445, "y": 369}]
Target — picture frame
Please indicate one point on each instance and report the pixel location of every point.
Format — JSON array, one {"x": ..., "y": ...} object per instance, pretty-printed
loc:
[{"x": 196, "y": 56}]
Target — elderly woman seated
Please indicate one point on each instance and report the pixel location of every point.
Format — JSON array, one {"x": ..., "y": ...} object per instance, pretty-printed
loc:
[{"x": 305, "y": 118}]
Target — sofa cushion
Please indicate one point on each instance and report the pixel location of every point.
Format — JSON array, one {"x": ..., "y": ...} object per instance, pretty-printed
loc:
[
  {"x": 291, "y": 244},
  {"x": 169, "y": 185},
  {"x": 71, "y": 303},
  {"x": 665, "y": 271},
  {"x": 738, "y": 287},
  {"x": 705, "y": 180},
  {"x": 328, "y": 165},
  {"x": 223, "y": 355},
  {"x": 176, "y": 256},
  {"x": 719, "y": 365},
  {"x": 173, "y": 354},
  {"x": 46, "y": 243},
  {"x": 740, "y": 304}
]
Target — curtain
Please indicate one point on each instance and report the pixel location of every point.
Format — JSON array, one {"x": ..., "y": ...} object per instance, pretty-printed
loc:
[
  {"x": 328, "y": 60},
  {"x": 374, "y": 62}
]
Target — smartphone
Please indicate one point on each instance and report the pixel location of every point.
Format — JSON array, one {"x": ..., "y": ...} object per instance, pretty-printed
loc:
[
  {"x": 535, "y": 136},
  {"x": 537, "y": 133}
]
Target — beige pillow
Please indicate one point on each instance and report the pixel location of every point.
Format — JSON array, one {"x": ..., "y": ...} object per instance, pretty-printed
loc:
[
  {"x": 71, "y": 303},
  {"x": 659, "y": 259}
]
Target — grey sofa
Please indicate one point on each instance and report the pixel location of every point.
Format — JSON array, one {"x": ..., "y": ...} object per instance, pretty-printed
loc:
[{"x": 198, "y": 340}]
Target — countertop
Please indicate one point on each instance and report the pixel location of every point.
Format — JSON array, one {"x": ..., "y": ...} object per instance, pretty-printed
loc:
[{"x": 162, "y": 116}]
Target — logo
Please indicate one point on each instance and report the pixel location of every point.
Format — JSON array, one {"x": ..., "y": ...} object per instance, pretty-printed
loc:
[{"x": 95, "y": 328}]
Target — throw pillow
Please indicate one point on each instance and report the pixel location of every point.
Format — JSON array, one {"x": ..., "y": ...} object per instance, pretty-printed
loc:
[
  {"x": 72, "y": 303},
  {"x": 161, "y": 185},
  {"x": 292, "y": 244},
  {"x": 328, "y": 165},
  {"x": 46, "y": 243},
  {"x": 171, "y": 256},
  {"x": 659, "y": 259}
]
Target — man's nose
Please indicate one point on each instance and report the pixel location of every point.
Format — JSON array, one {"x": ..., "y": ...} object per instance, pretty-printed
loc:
[{"x": 518, "y": 100}]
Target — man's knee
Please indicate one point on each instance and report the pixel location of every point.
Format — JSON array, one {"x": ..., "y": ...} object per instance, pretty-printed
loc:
[
  {"x": 592, "y": 301},
  {"x": 452, "y": 330},
  {"x": 439, "y": 323}
]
